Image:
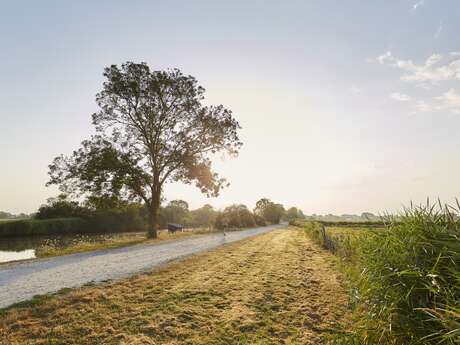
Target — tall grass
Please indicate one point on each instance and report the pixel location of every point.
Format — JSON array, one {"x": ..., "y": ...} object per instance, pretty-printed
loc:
[
  {"x": 407, "y": 286},
  {"x": 410, "y": 284}
]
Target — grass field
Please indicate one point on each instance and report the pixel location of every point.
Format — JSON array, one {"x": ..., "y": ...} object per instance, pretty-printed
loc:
[{"x": 274, "y": 288}]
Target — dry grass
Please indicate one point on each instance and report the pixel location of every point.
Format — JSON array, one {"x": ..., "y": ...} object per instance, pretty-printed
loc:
[
  {"x": 276, "y": 288},
  {"x": 85, "y": 244}
]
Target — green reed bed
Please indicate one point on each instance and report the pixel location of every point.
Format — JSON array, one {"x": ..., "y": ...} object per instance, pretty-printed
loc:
[{"x": 405, "y": 278}]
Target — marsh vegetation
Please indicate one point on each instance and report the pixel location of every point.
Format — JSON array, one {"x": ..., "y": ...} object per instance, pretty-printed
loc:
[{"x": 404, "y": 277}]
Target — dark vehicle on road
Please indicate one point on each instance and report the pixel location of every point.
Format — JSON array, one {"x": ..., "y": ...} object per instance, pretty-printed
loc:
[{"x": 172, "y": 228}]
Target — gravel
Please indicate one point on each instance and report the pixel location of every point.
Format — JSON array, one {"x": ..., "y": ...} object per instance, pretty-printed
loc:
[{"x": 23, "y": 280}]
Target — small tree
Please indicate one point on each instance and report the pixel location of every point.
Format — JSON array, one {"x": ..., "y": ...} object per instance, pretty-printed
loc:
[
  {"x": 368, "y": 216},
  {"x": 294, "y": 213},
  {"x": 203, "y": 216},
  {"x": 175, "y": 212},
  {"x": 61, "y": 207},
  {"x": 234, "y": 216},
  {"x": 269, "y": 211},
  {"x": 152, "y": 128}
]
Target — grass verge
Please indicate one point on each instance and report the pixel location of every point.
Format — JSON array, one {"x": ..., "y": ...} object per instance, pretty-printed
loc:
[
  {"x": 85, "y": 243},
  {"x": 271, "y": 289}
]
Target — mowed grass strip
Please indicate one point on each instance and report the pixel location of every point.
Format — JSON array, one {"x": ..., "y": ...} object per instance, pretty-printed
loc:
[{"x": 271, "y": 289}]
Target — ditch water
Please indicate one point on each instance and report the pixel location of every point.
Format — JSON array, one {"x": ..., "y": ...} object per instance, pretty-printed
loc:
[{"x": 23, "y": 248}]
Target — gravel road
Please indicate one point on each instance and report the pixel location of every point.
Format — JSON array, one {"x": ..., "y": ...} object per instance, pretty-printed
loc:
[{"x": 23, "y": 280}]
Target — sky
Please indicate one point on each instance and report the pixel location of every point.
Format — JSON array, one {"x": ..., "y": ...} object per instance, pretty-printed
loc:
[{"x": 345, "y": 106}]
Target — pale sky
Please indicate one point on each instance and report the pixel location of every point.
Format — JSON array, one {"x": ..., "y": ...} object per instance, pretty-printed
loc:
[{"x": 346, "y": 106}]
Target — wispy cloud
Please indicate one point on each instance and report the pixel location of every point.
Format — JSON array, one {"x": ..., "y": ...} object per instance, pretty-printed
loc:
[
  {"x": 418, "y": 4},
  {"x": 435, "y": 68},
  {"x": 400, "y": 97},
  {"x": 428, "y": 75},
  {"x": 355, "y": 90},
  {"x": 438, "y": 32},
  {"x": 448, "y": 101}
]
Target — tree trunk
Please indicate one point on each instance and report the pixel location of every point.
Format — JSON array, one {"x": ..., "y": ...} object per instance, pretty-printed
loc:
[{"x": 154, "y": 216}]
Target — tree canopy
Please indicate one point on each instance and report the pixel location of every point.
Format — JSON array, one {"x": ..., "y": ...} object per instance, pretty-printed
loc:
[
  {"x": 269, "y": 211},
  {"x": 60, "y": 207},
  {"x": 235, "y": 216},
  {"x": 175, "y": 211},
  {"x": 152, "y": 128},
  {"x": 294, "y": 213}
]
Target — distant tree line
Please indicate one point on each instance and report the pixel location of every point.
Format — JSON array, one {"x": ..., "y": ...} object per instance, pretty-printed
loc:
[
  {"x": 7, "y": 215},
  {"x": 122, "y": 216},
  {"x": 364, "y": 217}
]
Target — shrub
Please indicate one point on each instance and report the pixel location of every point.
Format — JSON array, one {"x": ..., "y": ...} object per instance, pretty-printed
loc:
[
  {"x": 260, "y": 221},
  {"x": 126, "y": 219},
  {"x": 293, "y": 213},
  {"x": 176, "y": 211},
  {"x": 61, "y": 207},
  {"x": 201, "y": 217},
  {"x": 44, "y": 227},
  {"x": 269, "y": 211},
  {"x": 129, "y": 218},
  {"x": 234, "y": 216}
]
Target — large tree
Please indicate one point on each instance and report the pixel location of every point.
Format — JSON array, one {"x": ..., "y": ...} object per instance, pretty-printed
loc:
[{"x": 152, "y": 128}]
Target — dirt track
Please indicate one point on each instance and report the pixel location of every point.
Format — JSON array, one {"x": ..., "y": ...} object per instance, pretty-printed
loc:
[{"x": 22, "y": 281}]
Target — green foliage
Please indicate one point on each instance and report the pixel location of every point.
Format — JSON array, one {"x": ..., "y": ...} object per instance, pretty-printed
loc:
[
  {"x": 406, "y": 277},
  {"x": 312, "y": 229},
  {"x": 175, "y": 212},
  {"x": 108, "y": 214},
  {"x": 269, "y": 211},
  {"x": 131, "y": 217},
  {"x": 62, "y": 216},
  {"x": 411, "y": 282},
  {"x": 293, "y": 213},
  {"x": 346, "y": 218},
  {"x": 61, "y": 207},
  {"x": 234, "y": 216},
  {"x": 260, "y": 221},
  {"x": 151, "y": 128},
  {"x": 32, "y": 227},
  {"x": 361, "y": 224},
  {"x": 9, "y": 216},
  {"x": 201, "y": 217}
]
